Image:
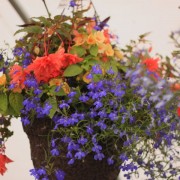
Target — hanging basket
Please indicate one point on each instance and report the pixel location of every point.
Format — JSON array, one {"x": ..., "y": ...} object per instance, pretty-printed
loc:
[{"x": 86, "y": 169}]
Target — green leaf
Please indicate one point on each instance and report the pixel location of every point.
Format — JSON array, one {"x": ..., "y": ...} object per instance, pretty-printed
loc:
[
  {"x": 88, "y": 65},
  {"x": 57, "y": 93},
  {"x": 3, "y": 102},
  {"x": 72, "y": 70},
  {"x": 30, "y": 29},
  {"x": 53, "y": 102},
  {"x": 80, "y": 51},
  {"x": 94, "y": 50},
  {"x": 16, "y": 100},
  {"x": 43, "y": 20}
]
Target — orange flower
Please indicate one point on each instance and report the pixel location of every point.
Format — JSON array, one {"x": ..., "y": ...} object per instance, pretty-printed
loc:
[
  {"x": 99, "y": 37},
  {"x": 55, "y": 82},
  {"x": 18, "y": 76},
  {"x": 107, "y": 36},
  {"x": 90, "y": 26},
  {"x": 46, "y": 67},
  {"x": 3, "y": 161},
  {"x": 79, "y": 38},
  {"x": 109, "y": 50},
  {"x": 91, "y": 39},
  {"x": 151, "y": 64},
  {"x": 2, "y": 79},
  {"x": 52, "y": 65},
  {"x": 101, "y": 48}
]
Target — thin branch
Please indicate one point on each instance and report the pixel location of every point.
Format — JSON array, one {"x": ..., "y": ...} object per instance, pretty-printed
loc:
[{"x": 49, "y": 14}]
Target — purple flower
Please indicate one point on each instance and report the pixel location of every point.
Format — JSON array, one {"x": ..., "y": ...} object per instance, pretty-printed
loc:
[
  {"x": 99, "y": 156},
  {"x": 25, "y": 121},
  {"x": 98, "y": 104},
  {"x": 63, "y": 105},
  {"x": 46, "y": 109},
  {"x": 110, "y": 161},
  {"x": 113, "y": 116},
  {"x": 96, "y": 148},
  {"x": 60, "y": 175},
  {"x": 71, "y": 161},
  {"x": 89, "y": 129},
  {"x": 82, "y": 140},
  {"x": 83, "y": 98},
  {"x": 72, "y": 3},
  {"x": 79, "y": 155},
  {"x": 123, "y": 157},
  {"x": 55, "y": 152},
  {"x": 102, "y": 125}
]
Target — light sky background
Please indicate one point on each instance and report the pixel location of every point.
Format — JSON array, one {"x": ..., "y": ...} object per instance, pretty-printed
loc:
[{"x": 129, "y": 19}]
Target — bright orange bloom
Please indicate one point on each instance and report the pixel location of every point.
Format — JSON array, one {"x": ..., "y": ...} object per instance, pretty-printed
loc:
[
  {"x": 52, "y": 65},
  {"x": 18, "y": 76},
  {"x": 2, "y": 79},
  {"x": 90, "y": 26},
  {"x": 151, "y": 64},
  {"x": 99, "y": 37},
  {"x": 79, "y": 38},
  {"x": 109, "y": 50},
  {"x": 91, "y": 39},
  {"x": 107, "y": 36},
  {"x": 3, "y": 161}
]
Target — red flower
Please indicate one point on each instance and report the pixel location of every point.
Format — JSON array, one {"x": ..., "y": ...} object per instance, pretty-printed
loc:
[
  {"x": 178, "y": 111},
  {"x": 51, "y": 66},
  {"x": 3, "y": 161},
  {"x": 151, "y": 64},
  {"x": 69, "y": 59},
  {"x": 17, "y": 76}
]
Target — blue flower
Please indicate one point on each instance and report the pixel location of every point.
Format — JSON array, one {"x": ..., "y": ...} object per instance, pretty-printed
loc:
[
  {"x": 99, "y": 156},
  {"x": 83, "y": 98},
  {"x": 96, "y": 148},
  {"x": 63, "y": 105},
  {"x": 71, "y": 161},
  {"x": 123, "y": 157},
  {"x": 25, "y": 121},
  {"x": 80, "y": 154},
  {"x": 55, "y": 152},
  {"x": 72, "y": 3},
  {"x": 82, "y": 140},
  {"x": 110, "y": 161},
  {"x": 46, "y": 109},
  {"x": 102, "y": 125},
  {"x": 98, "y": 104},
  {"x": 60, "y": 175}
]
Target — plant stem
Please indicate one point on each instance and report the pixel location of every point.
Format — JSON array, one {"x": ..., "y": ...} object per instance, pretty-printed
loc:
[{"x": 49, "y": 14}]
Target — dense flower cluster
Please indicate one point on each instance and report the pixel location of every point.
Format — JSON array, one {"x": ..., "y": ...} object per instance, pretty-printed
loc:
[{"x": 114, "y": 104}]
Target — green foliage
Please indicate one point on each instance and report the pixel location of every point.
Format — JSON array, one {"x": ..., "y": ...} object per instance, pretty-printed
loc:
[
  {"x": 30, "y": 29},
  {"x": 52, "y": 101},
  {"x": 3, "y": 102},
  {"x": 15, "y": 100},
  {"x": 94, "y": 50},
  {"x": 80, "y": 51},
  {"x": 72, "y": 70}
]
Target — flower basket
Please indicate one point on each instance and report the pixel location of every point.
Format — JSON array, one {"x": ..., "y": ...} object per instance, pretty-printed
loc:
[
  {"x": 89, "y": 169},
  {"x": 89, "y": 108}
]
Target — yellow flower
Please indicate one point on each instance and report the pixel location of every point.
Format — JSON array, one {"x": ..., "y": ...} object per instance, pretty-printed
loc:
[
  {"x": 66, "y": 88},
  {"x": 101, "y": 48},
  {"x": 99, "y": 37},
  {"x": 55, "y": 82},
  {"x": 118, "y": 54},
  {"x": 91, "y": 39},
  {"x": 79, "y": 38},
  {"x": 2, "y": 79},
  {"x": 109, "y": 50},
  {"x": 85, "y": 79}
]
